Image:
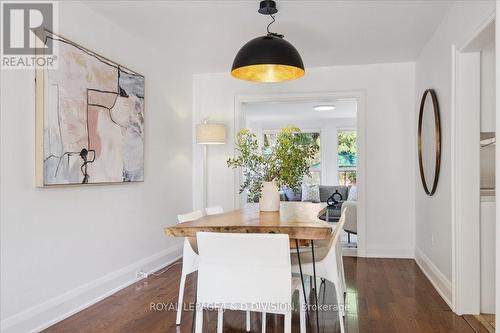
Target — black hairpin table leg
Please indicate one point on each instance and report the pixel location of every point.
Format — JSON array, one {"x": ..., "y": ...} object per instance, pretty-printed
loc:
[
  {"x": 302, "y": 280},
  {"x": 315, "y": 286},
  {"x": 195, "y": 308}
]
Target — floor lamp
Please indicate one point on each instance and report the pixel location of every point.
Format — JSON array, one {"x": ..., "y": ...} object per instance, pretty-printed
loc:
[{"x": 209, "y": 134}]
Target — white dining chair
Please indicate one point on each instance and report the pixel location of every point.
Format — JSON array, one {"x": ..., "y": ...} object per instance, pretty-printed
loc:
[
  {"x": 214, "y": 210},
  {"x": 189, "y": 261},
  {"x": 329, "y": 265},
  {"x": 246, "y": 272}
]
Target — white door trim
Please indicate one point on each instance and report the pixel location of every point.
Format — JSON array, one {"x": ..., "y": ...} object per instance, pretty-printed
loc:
[
  {"x": 465, "y": 175},
  {"x": 360, "y": 96},
  {"x": 466, "y": 184},
  {"x": 497, "y": 166}
]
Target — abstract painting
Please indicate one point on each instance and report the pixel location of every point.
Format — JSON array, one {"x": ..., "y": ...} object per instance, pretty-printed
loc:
[{"x": 90, "y": 119}]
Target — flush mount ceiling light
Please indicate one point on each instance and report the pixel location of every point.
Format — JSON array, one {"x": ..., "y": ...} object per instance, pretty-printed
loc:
[
  {"x": 324, "y": 107},
  {"x": 268, "y": 58}
]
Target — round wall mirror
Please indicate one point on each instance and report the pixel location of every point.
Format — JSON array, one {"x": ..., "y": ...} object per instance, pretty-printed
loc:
[{"x": 429, "y": 141}]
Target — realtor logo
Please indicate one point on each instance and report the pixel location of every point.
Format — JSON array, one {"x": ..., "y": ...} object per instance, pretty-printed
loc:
[{"x": 23, "y": 34}]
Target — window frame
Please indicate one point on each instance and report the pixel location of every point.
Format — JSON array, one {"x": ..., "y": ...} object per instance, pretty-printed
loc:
[{"x": 345, "y": 129}]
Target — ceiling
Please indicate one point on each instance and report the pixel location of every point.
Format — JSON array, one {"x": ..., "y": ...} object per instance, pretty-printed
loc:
[
  {"x": 294, "y": 111},
  {"x": 207, "y": 34}
]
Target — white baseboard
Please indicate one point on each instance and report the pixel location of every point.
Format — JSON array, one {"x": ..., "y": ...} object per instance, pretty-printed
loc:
[
  {"x": 389, "y": 252},
  {"x": 435, "y": 276},
  {"x": 48, "y": 313},
  {"x": 349, "y": 252}
]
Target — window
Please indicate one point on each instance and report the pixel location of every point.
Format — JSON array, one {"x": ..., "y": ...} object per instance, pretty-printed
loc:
[
  {"x": 347, "y": 157},
  {"x": 306, "y": 138}
]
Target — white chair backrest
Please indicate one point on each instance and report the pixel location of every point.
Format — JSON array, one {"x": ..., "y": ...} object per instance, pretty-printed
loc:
[
  {"x": 349, "y": 209},
  {"x": 214, "y": 210},
  {"x": 189, "y": 216},
  {"x": 244, "y": 271},
  {"x": 335, "y": 237},
  {"x": 339, "y": 226}
]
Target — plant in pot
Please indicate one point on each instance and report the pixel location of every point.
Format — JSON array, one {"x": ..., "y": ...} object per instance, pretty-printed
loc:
[{"x": 284, "y": 163}]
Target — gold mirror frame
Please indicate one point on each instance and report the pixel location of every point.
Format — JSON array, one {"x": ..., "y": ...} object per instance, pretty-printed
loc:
[{"x": 437, "y": 126}]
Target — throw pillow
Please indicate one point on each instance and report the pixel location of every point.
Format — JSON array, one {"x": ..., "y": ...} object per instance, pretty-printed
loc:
[
  {"x": 353, "y": 194},
  {"x": 292, "y": 195},
  {"x": 310, "y": 193}
]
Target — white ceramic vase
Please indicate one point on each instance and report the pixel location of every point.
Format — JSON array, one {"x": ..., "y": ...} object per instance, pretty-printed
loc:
[{"x": 270, "y": 197}]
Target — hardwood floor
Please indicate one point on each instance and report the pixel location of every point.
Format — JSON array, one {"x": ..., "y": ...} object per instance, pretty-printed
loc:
[
  {"x": 484, "y": 323},
  {"x": 384, "y": 295},
  {"x": 393, "y": 295}
]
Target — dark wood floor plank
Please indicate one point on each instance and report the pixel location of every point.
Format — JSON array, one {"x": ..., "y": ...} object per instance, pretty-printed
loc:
[
  {"x": 476, "y": 324},
  {"x": 384, "y": 296}
]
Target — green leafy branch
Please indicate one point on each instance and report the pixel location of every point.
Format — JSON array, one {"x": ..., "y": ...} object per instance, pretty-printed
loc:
[{"x": 287, "y": 163}]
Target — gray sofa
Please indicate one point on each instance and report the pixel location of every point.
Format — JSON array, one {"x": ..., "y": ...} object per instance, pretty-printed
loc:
[
  {"x": 334, "y": 213},
  {"x": 325, "y": 191}
]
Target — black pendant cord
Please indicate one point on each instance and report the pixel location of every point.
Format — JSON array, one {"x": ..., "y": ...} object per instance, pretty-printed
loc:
[
  {"x": 270, "y": 23},
  {"x": 269, "y": 33}
]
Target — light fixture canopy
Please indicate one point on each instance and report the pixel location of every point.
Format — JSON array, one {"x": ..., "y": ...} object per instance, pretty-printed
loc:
[
  {"x": 324, "y": 107},
  {"x": 268, "y": 58}
]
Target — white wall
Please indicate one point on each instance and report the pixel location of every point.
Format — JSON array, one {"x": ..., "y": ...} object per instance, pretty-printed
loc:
[
  {"x": 497, "y": 166},
  {"x": 488, "y": 218},
  {"x": 328, "y": 129},
  {"x": 488, "y": 205},
  {"x": 389, "y": 138},
  {"x": 488, "y": 88},
  {"x": 433, "y": 70},
  {"x": 62, "y": 248}
]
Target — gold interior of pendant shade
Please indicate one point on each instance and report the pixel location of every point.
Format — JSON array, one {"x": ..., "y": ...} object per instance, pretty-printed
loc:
[{"x": 267, "y": 73}]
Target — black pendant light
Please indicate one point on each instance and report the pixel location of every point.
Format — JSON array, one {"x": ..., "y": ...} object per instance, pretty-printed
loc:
[{"x": 268, "y": 58}]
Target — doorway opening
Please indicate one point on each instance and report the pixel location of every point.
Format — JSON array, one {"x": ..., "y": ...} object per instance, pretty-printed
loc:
[
  {"x": 474, "y": 145},
  {"x": 338, "y": 133}
]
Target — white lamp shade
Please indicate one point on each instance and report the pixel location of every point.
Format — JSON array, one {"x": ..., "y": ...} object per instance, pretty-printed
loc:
[{"x": 210, "y": 134}]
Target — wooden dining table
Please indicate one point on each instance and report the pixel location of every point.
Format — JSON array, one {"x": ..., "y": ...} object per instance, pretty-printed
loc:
[{"x": 300, "y": 220}]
